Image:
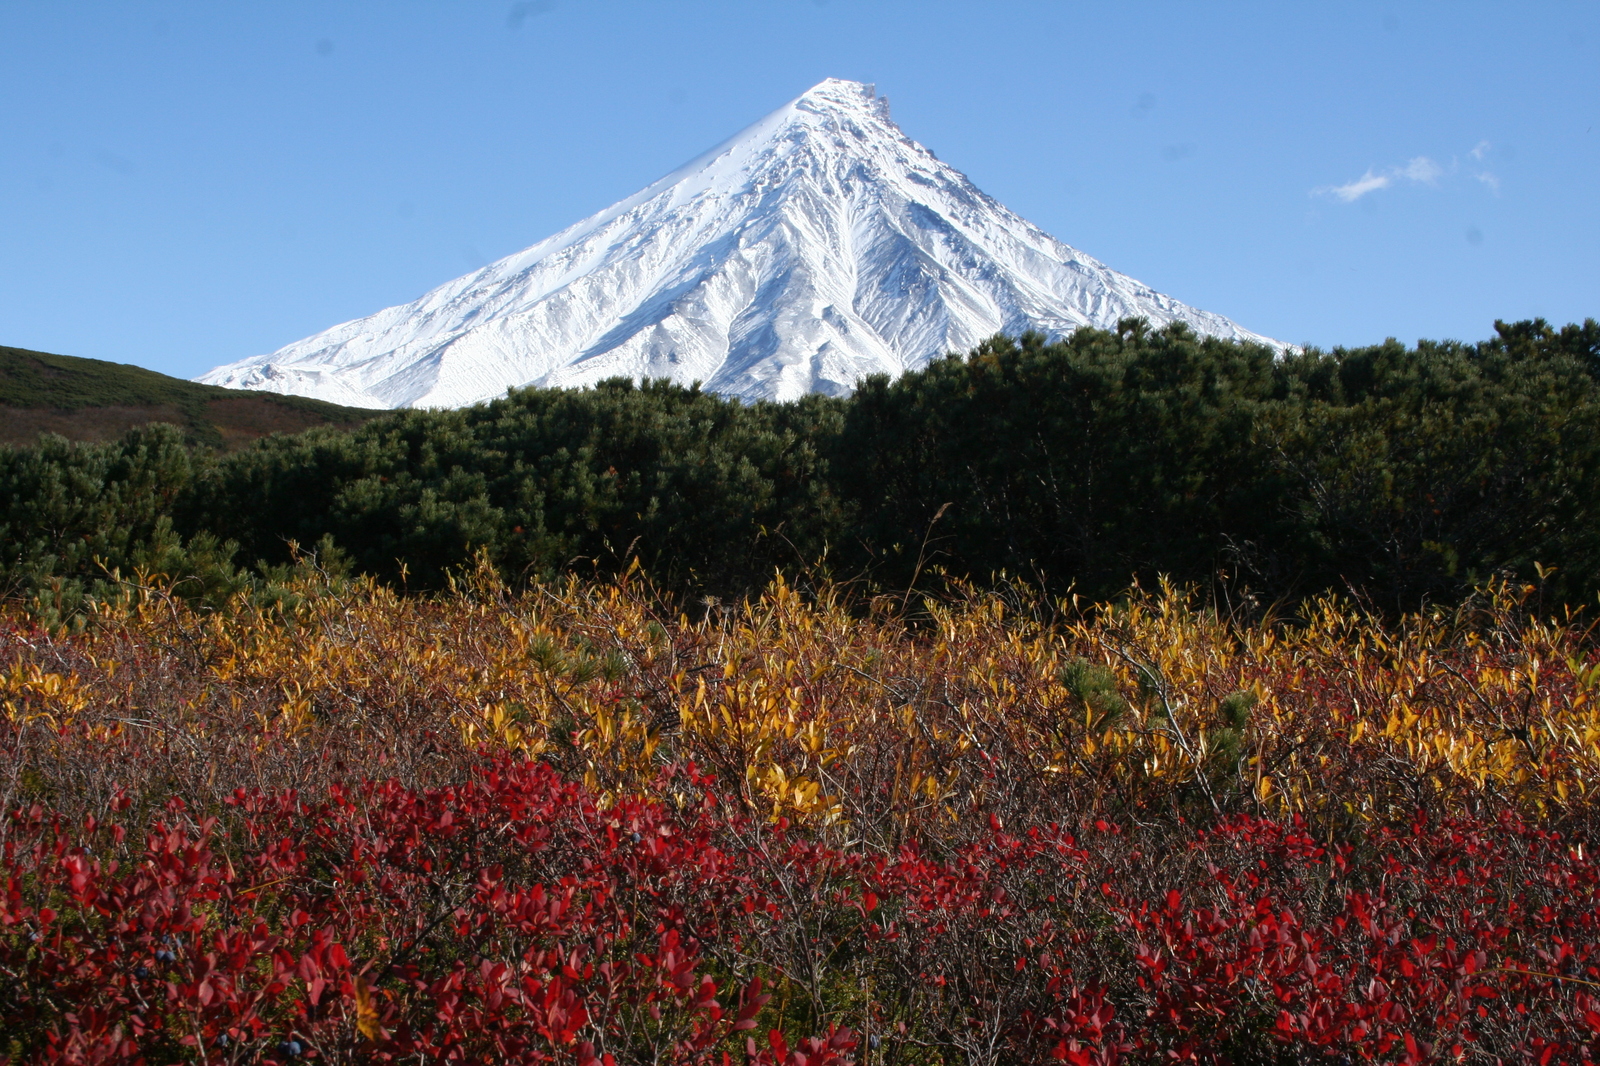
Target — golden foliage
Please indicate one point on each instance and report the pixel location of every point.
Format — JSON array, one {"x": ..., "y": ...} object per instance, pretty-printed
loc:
[{"x": 818, "y": 709}]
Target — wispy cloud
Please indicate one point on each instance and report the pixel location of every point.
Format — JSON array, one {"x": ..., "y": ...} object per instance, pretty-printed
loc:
[
  {"x": 1480, "y": 152},
  {"x": 1419, "y": 170},
  {"x": 1355, "y": 190}
]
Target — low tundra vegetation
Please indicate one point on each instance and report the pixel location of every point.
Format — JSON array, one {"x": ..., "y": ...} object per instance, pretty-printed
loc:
[{"x": 576, "y": 823}]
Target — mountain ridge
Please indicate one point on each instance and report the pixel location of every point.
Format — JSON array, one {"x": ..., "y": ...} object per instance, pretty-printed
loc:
[
  {"x": 97, "y": 400},
  {"x": 816, "y": 246}
]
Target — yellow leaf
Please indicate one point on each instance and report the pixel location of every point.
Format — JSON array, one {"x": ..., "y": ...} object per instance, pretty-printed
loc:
[{"x": 366, "y": 1011}]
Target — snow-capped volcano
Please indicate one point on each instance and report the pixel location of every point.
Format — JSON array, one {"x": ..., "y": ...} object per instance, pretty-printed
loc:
[{"x": 815, "y": 247}]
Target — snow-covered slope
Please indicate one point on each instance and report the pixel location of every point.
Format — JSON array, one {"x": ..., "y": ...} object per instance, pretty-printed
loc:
[{"x": 817, "y": 246}]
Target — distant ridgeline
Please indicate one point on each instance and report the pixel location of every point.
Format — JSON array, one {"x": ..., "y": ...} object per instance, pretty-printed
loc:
[
  {"x": 93, "y": 400},
  {"x": 1403, "y": 475}
]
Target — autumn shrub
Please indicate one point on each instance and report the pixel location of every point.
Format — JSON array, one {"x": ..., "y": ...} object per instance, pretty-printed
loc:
[
  {"x": 508, "y": 919},
  {"x": 580, "y": 821},
  {"x": 514, "y": 917}
]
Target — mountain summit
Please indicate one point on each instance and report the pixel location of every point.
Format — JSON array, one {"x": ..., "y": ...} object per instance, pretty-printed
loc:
[{"x": 815, "y": 247}]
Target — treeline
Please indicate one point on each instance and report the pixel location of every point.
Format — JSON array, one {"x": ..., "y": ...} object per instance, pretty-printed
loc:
[{"x": 1405, "y": 475}]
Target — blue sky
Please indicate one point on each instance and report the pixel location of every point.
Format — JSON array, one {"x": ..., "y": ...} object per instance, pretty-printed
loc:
[{"x": 187, "y": 184}]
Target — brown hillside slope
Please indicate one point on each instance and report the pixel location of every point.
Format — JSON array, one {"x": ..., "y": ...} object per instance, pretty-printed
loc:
[{"x": 95, "y": 400}]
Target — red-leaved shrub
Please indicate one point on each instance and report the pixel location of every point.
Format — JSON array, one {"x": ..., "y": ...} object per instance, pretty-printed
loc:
[{"x": 515, "y": 917}]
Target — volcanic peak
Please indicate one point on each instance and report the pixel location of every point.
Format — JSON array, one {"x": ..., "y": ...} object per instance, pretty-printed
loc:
[{"x": 817, "y": 246}]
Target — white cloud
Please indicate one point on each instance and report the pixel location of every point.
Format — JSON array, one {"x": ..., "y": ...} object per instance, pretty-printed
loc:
[
  {"x": 1421, "y": 170},
  {"x": 1355, "y": 190}
]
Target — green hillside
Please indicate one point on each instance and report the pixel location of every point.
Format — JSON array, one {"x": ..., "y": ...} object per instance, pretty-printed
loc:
[{"x": 95, "y": 400}]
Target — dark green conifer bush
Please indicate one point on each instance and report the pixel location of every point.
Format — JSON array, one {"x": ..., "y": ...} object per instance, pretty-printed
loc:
[{"x": 1404, "y": 475}]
